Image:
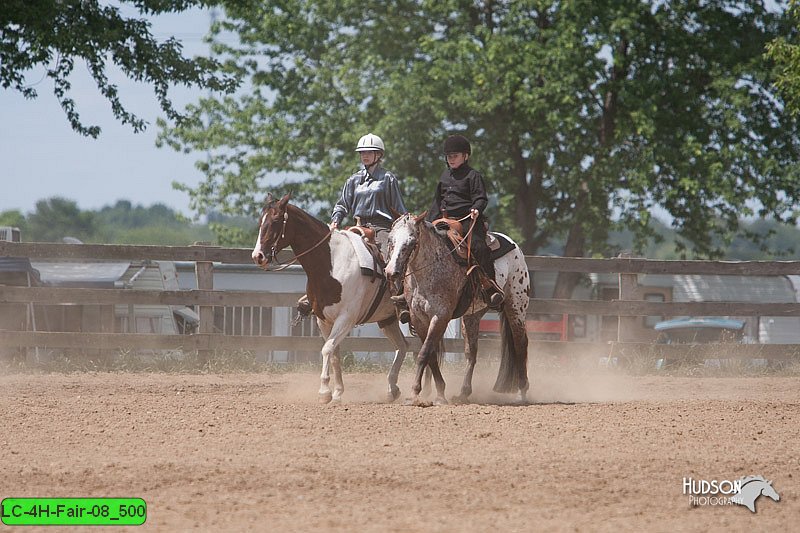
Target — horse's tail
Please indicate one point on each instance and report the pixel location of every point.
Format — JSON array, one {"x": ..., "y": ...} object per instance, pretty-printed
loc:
[{"x": 513, "y": 360}]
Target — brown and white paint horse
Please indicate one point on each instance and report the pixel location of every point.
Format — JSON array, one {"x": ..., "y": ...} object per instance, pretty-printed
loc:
[
  {"x": 433, "y": 282},
  {"x": 339, "y": 293}
]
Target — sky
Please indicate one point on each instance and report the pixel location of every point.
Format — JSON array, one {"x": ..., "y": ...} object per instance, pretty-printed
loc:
[{"x": 43, "y": 157}]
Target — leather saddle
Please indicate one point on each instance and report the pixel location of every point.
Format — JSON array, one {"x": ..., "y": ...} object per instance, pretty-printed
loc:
[
  {"x": 454, "y": 231},
  {"x": 368, "y": 236}
]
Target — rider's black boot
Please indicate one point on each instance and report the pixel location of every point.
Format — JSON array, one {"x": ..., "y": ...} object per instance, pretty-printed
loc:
[
  {"x": 493, "y": 294},
  {"x": 304, "y": 306},
  {"x": 403, "y": 314}
]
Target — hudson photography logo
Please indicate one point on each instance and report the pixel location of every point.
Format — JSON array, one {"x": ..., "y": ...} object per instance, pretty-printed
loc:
[{"x": 744, "y": 491}]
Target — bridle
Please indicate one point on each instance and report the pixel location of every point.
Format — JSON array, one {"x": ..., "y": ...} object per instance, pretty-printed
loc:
[{"x": 272, "y": 257}]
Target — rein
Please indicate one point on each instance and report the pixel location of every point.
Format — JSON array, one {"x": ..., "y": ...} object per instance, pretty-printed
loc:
[{"x": 274, "y": 253}]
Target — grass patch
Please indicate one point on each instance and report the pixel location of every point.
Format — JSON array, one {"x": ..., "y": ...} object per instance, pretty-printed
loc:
[{"x": 174, "y": 362}]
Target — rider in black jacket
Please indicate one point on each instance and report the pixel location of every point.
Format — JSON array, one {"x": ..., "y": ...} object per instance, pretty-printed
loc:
[{"x": 461, "y": 193}]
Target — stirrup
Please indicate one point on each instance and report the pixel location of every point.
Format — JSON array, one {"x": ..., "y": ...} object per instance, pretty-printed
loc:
[
  {"x": 496, "y": 300},
  {"x": 304, "y": 308},
  {"x": 404, "y": 316}
]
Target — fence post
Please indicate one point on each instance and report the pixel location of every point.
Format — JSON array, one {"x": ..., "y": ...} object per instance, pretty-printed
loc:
[
  {"x": 628, "y": 283},
  {"x": 204, "y": 273}
]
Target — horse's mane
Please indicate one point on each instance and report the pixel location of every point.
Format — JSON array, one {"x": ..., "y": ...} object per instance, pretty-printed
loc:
[
  {"x": 296, "y": 210},
  {"x": 302, "y": 212}
]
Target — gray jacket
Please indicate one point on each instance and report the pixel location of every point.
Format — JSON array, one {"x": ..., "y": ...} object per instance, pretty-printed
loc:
[{"x": 370, "y": 198}]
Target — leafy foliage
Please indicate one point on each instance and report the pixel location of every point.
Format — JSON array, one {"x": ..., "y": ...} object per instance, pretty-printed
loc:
[
  {"x": 56, "y": 34},
  {"x": 122, "y": 223},
  {"x": 125, "y": 223},
  {"x": 785, "y": 51},
  {"x": 585, "y": 116}
]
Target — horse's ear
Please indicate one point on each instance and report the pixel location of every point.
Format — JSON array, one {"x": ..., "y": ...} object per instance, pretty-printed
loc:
[
  {"x": 284, "y": 200},
  {"x": 269, "y": 199},
  {"x": 395, "y": 213},
  {"x": 419, "y": 218}
]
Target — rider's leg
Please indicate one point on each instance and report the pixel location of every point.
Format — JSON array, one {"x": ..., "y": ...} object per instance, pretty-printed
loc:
[
  {"x": 400, "y": 303},
  {"x": 304, "y": 306},
  {"x": 483, "y": 256}
]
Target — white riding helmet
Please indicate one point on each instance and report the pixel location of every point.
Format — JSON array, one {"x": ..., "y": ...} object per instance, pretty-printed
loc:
[{"x": 369, "y": 143}]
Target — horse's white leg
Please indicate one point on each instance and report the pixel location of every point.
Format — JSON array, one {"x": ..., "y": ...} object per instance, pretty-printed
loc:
[
  {"x": 395, "y": 335},
  {"x": 338, "y": 382},
  {"x": 469, "y": 329},
  {"x": 330, "y": 352},
  {"x": 324, "y": 377}
]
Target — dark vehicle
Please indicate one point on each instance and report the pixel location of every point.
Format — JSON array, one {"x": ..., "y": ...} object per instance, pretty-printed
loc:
[{"x": 702, "y": 330}]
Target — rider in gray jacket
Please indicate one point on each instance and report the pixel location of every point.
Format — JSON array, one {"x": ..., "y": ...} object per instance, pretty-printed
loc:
[{"x": 368, "y": 197}]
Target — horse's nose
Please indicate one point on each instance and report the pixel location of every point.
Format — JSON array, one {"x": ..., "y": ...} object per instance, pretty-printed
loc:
[
  {"x": 258, "y": 257},
  {"x": 391, "y": 274}
]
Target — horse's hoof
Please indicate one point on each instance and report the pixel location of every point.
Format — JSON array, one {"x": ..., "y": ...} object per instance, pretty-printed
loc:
[
  {"x": 440, "y": 400},
  {"x": 393, "y": 394},
  {"x": 325, "y": 397},
  {"x": 461, "y": 399},
  {"x": 418, "y": 402}
]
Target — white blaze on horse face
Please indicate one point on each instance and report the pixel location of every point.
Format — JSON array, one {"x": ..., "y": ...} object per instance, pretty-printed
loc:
[
  {"x": 401, "y": 235},
  {"x": 257, "y": 252}
]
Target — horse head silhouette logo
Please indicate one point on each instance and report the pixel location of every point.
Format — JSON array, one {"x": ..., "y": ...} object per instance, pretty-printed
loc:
[{"x": 752, "y": 488}]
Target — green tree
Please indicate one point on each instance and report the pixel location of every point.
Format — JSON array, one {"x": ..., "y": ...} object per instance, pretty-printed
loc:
[
  {"x": 56, "y": 34},
  {"x": 56, "y": 218},
  {"x": 14, "y": 218},
  {"x": 584, "y": 115},
  {"x": 125, "y": 223},
  {"x": 784, "y": 50}
]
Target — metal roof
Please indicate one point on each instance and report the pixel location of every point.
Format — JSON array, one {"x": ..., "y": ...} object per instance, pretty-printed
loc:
[
  {"x": 81, "y": 274},
  {"x": 715, "y": 288}
]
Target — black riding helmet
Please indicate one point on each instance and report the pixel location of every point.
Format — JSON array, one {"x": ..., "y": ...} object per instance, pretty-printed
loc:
[{"x": 456, "y": 144}]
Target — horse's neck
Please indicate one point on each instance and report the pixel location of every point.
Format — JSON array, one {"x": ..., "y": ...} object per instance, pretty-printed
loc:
[
  {"x": 306, "y": 231},
  {"x": 434, "y": 257}
]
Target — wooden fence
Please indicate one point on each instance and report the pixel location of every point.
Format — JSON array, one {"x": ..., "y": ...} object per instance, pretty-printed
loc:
[{"x": 205, "y": 298}]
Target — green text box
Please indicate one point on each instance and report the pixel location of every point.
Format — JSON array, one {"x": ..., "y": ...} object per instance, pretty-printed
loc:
[{"x": 73, "y": 511}]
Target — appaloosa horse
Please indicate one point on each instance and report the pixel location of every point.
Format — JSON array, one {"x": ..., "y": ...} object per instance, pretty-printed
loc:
[
  {"x": 433, "y": 282},
  {"x": 341, "y": 296}
]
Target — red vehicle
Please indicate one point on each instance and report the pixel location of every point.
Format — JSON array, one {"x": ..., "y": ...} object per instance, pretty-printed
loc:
[{"x": 554, "y": 329}]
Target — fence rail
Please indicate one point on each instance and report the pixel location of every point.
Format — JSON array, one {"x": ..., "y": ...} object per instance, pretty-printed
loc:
[{"x": 205, "y": 297}]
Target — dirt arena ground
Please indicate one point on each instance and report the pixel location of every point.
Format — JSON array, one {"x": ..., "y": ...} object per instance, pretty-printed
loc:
[{"x": 234, "y": 452}]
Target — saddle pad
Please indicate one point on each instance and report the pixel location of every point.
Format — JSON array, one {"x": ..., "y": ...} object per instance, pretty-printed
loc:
[
  {"x": 506, "y": 245},
  {"x": 365, "y": 260}
]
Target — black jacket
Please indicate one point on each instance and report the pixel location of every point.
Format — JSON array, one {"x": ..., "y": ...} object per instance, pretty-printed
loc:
[{"x": 457, "y": 192}]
